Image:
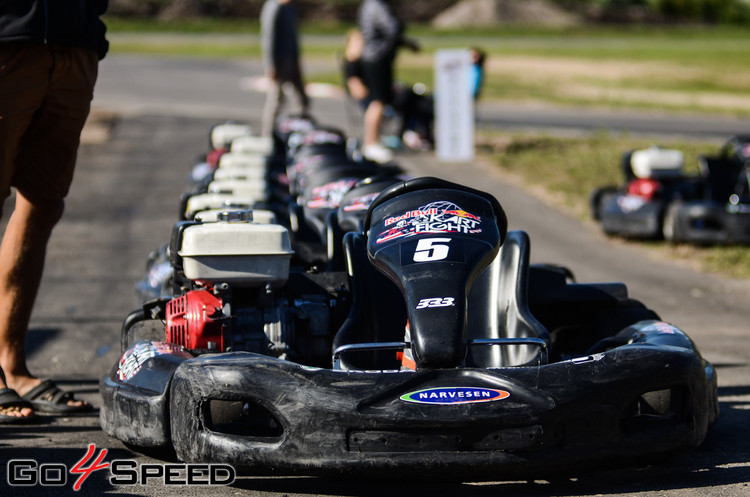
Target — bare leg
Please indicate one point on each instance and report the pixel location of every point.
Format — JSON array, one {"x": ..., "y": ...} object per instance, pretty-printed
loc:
[
  {"x": 22, "y": 254},
  {"x": 274, "y": 101},
  {"x": 303, "y": 101},
  {"x": 373, "y": 120}
]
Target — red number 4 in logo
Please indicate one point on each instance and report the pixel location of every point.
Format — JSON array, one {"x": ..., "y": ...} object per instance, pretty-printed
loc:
[{"x": 95, "y": 466}]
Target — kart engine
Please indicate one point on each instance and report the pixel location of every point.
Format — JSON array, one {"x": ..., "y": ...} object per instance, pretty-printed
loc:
[
  {"x": 194, "y": 321},
  {"x": 242, "y": 297},
  {"x": 217, "y": 321}
]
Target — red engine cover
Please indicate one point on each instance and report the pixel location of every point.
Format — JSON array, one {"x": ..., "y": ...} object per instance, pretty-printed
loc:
[
  {"x": 194, "y": 321},
  {"x": 644, "y": 187},
  {"x": 213, "y": 157}
]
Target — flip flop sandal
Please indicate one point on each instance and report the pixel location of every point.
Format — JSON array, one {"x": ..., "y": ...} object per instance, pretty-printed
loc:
[
  {"x": 48, "y": 399},
  {"x": 9, "y": 398}
]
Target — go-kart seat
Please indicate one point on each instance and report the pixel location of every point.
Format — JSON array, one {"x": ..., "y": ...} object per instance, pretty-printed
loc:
[
  {"x": 498, "y": 307},
  {"x": 378, "y": 311},
  {"x": 721, "y": 178},
  {"x": 334, "y": 242},
  {"x": 350, "y": 216}
]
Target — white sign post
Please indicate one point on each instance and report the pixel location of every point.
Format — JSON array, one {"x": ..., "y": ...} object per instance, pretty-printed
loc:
[{"x": 454, "y": 107}]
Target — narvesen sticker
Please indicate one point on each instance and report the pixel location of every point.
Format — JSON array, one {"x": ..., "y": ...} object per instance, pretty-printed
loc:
[{"x": 455, "y": 395}]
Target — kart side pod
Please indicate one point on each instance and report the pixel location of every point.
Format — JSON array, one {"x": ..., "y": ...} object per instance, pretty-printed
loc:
[{"x": 433, "y": 238}]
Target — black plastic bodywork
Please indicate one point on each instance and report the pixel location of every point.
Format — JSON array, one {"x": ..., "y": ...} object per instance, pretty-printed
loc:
[
  {"x": 519, "y": 371},
  {"x": 263, "y": 415}
]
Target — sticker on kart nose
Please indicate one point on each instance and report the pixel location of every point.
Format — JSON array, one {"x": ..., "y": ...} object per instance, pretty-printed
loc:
[
  {"x": 436, "y": 217},
  {"x": 455, "y": 395}
]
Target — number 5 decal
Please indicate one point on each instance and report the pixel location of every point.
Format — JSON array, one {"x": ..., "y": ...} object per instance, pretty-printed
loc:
[{"x": 431, "y": 249}]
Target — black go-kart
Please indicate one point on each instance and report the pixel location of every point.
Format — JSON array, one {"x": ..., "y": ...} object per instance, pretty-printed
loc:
[
  {"x": 660, "y": 201},
  {"x": 439, "y": 352},
  {"x": 308, "y": 177}
]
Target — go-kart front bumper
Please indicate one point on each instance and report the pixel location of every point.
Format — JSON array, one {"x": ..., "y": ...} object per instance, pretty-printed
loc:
[
  {"x": 263, "y": 415},
  {"x": 631, "y": 216}
]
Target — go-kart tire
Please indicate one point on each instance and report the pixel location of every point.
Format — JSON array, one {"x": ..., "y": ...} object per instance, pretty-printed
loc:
[
  {"x": 670, "y": 226},
  {"x": 596, "y": 200}
]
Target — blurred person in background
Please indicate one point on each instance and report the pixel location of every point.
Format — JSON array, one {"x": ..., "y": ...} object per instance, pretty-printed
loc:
[
  {"x": 411, "y": 104},
  {"x": 476, "y": 71},
  {"x": 382, "y": 34},
  {"x": 281, "y": 59},
  {"x": 352, "y": 67}
]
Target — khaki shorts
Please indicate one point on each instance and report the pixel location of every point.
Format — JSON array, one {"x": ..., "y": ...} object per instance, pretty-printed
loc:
[{"x": 45, "y": 97}]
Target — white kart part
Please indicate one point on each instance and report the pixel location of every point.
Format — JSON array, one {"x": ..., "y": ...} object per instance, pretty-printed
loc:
[
  {"x": 252, "y": 145},
  {"x": 237, "y": 159},
  {"x": 241, "y": 253},
  {"x": 222, "y": 135},
  {"x": 240, "y": 173},
  {"x": 224, "y": 201},
  {"x": 254, "y": 189},
  {"x": 656, "y": 162},
  {"x": 259, "y": 216}
]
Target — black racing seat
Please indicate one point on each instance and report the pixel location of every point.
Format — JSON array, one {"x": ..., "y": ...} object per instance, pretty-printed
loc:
[
  {"x": 378, "y": 311},
  {"x": 497, "y": 304},
  {"x": 499, "y": 308},
  {"x": 722, "y": 178}
]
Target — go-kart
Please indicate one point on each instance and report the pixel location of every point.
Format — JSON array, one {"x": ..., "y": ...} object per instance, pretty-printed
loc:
[
  {"x": 660, "y": 201},
  {"x": 301, "y": 179},
  {"x": 440, "y": 352},
  {"x": 721, "y": 214}
]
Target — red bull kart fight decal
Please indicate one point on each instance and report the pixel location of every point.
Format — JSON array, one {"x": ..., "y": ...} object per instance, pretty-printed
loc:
[
  {"x": 435, "y": 217},
  {"x": 360, "y": 203},
  {"x": 329, "y": 195}
]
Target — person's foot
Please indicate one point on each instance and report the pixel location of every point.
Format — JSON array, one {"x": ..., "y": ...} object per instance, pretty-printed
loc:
[
  {"x": 412, "y": 139},
  {"x": 377, "y": 153},
  {"x": 45, "y": 397},
  {"x": 13, "y": 409}
]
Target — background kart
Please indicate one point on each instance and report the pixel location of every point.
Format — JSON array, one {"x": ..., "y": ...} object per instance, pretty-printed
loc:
[
  {"x": 445, "y": 350},
  {"x": 658, "y": 200}
]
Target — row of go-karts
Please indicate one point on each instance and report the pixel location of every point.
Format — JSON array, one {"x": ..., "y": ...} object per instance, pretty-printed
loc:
[
  {"x": 317, "y": 314},
  {"x": 659, "y": 200}
]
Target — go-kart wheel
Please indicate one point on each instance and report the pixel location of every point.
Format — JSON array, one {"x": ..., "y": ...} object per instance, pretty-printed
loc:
[
  {"x": 670, "y": 227},
  {"x": 597, "y": 200}
]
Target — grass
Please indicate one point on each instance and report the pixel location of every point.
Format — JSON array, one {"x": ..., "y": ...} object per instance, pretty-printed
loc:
[
  {"x": 565, "y": 170},
  {"x": 570, "y": 168},
  {"x": 202, "y": 25}
]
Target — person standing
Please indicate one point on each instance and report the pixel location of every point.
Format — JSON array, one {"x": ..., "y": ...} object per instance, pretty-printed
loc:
[
  {"x": 382, "y": 32},
  {"x": 49, "y": 57},
  {"x": 352, "y": 68},
  {"x": 281, "y": 59}
]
